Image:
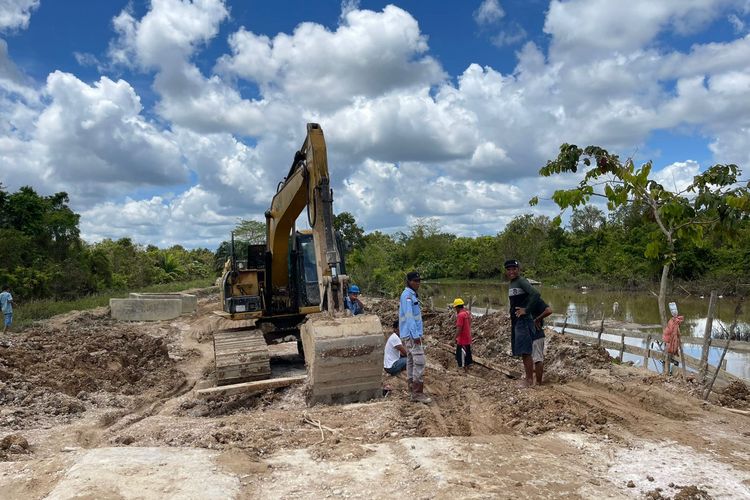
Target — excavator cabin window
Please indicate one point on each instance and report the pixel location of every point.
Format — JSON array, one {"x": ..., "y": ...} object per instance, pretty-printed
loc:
[{"x": 308, "y": 275}]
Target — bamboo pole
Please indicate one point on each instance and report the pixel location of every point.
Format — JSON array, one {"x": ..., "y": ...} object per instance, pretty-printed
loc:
[{"x": 648, "y": 352}]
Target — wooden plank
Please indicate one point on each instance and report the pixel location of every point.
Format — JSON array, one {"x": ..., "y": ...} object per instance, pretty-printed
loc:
[
  {"x": 609, "y": 331},
  {"x": 257, "y": 386}
]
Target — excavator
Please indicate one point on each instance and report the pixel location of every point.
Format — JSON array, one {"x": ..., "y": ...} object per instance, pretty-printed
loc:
[{"x": 293, "y": 288}]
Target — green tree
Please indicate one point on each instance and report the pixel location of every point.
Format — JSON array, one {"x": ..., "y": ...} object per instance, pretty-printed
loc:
[
  {"x": 352, "y": 234},
  {"x": 587, "y": 219},
  {"x": 250, "y": 231},
  {"x": 714, "y": 201}
]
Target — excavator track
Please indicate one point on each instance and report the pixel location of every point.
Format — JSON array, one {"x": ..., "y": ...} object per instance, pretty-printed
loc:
[{"x": 241, "y": 355}]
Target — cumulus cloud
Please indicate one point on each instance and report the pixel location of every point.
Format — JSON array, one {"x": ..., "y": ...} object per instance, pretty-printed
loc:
[
  {"x": 15, "y": 14},
  {"x": 191, "y": 219},
  {"x": 677, "y": 176},
  {"x": 91, "y": 141},
  {"x": 170, "y": 31},
  {"x": 589, "y": 28},
  {"x": 488, "y": 12},
  {"x": 370, "y": 53}
]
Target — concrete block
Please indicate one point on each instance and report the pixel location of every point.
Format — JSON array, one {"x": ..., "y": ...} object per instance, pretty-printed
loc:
[
  {"x": 344, "y": 358},
  {"x": 189, "y": 302},
  {"x": 145, "y": 309}
]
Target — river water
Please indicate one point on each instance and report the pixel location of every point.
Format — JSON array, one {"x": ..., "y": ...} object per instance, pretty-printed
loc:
[{"x": 639, "y": 308}]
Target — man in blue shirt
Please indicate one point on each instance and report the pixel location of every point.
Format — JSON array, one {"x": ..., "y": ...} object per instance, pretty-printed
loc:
[
  {"x": 6, "y": 304},
  {"x": 411, "y": 333},
  {"x": 352, "y": 302}
]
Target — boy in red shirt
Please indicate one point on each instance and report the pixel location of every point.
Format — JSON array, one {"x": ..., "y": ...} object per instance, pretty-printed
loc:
[{"x": 463, "y": 335}]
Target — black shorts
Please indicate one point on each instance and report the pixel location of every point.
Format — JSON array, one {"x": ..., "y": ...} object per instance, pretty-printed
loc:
[
  {"x": 463, "y": 356},
  {"x": 523, "y": 336}
]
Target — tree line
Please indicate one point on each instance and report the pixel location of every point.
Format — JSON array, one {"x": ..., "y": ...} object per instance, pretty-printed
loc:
[
  {"x": 594, "y": 248},
  {"x": 42, "y": 254}
]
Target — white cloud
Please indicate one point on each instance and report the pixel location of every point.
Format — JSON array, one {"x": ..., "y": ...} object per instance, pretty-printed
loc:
[
  {"x": 191, "y": 219},
  {"x": 589, "y": 28},
  {"x": 733, "y": 146},
  {"x": 488, "y": 12},
  {"x": 170, "y": 31},
  {"x": 737, "y": 24},
  {"x": 89, "y": 140},
  {"x": 510, "y": 36},
  {"x": 12, "y": 80},
  {"x": 370, "y": 53},
  {"x": 677, "y": 176},
  {"x": 15, "y": 14}
]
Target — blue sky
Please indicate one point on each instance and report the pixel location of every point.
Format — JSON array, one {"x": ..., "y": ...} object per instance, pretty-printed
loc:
[{"x": 167, "y": 120}]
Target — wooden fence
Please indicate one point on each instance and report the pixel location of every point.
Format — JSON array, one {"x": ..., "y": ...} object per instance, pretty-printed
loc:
[{"x": 646, "y": 352}]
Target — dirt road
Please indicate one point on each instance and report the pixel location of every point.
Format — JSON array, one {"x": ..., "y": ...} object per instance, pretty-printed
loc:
[{"x": 109, "y": 411}]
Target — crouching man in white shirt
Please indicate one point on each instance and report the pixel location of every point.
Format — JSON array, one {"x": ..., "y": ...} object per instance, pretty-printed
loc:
[{"x": 394, "y": 357}]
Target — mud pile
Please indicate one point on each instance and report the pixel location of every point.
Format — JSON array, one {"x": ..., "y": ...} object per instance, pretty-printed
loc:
[
  {"x": 735, "y": 395},
  {"x": 55, "y": 370}
]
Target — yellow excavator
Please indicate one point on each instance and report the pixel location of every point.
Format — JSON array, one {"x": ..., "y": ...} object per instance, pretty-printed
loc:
[{"x": 293, "y": 287}]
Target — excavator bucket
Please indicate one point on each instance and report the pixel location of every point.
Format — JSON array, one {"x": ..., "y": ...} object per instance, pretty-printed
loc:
[{"x": 344, "y": 358}]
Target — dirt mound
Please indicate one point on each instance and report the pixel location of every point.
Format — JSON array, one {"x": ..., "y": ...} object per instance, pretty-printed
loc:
[
  {"x": 565, "y": 358},
  {"x": 53, "y": 369},
  {"x": 735, "y": 395}
]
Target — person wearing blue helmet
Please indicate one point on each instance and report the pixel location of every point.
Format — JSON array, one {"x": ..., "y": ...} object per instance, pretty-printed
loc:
[{"x": 352, "y": 301}]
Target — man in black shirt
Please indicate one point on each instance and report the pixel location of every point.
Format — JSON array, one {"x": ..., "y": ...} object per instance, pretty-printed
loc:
[{"x": 526, "y": 313}]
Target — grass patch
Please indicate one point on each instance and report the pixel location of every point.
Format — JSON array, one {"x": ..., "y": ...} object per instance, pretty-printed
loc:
[{"x": 27, "y": 312}]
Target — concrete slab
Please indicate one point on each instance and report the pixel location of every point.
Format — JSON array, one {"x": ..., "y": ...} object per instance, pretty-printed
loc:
[
  {"x": 139, "y": 473},
  {"x": 145, "y": 309},
  {"x": 189, "y": 302}
]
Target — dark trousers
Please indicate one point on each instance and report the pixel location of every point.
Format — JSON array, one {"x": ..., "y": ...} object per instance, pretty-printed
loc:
[{"x": 463, "y": 355}]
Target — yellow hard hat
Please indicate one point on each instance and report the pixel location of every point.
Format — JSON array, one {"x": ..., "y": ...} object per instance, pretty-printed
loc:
[{"x": 458, "y": 302}]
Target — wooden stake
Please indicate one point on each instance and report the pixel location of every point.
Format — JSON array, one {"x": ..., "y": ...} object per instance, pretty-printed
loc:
[
  {"x": 622, "y": 346},
  {"x": 565, "y": 323},
  {"x": 707, "y": 334},
  {"x": 648, "y": 352},
  {"x": 716, "y": 373},
  {"x": 682, "y": 361},
  {"x": 601, "y": 330}
]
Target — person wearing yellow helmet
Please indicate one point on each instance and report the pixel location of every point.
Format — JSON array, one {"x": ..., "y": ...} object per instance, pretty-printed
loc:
[{"x": 463, "y": 335}]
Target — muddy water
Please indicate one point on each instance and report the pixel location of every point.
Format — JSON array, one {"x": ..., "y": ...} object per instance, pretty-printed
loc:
[{"x": 639, "y": 308}]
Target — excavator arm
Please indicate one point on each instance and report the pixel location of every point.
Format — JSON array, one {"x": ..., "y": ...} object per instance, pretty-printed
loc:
[{"x": 306, "y": 186}]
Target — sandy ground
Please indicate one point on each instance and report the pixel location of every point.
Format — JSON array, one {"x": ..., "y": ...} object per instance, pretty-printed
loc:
[{"x": 92, "y": 408}]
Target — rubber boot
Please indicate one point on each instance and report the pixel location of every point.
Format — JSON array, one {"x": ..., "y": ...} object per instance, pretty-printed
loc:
[{"x": 418, "y": 395}]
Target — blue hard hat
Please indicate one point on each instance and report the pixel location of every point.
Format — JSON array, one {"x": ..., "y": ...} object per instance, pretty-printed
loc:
[{"x": 353, "y": 289}]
